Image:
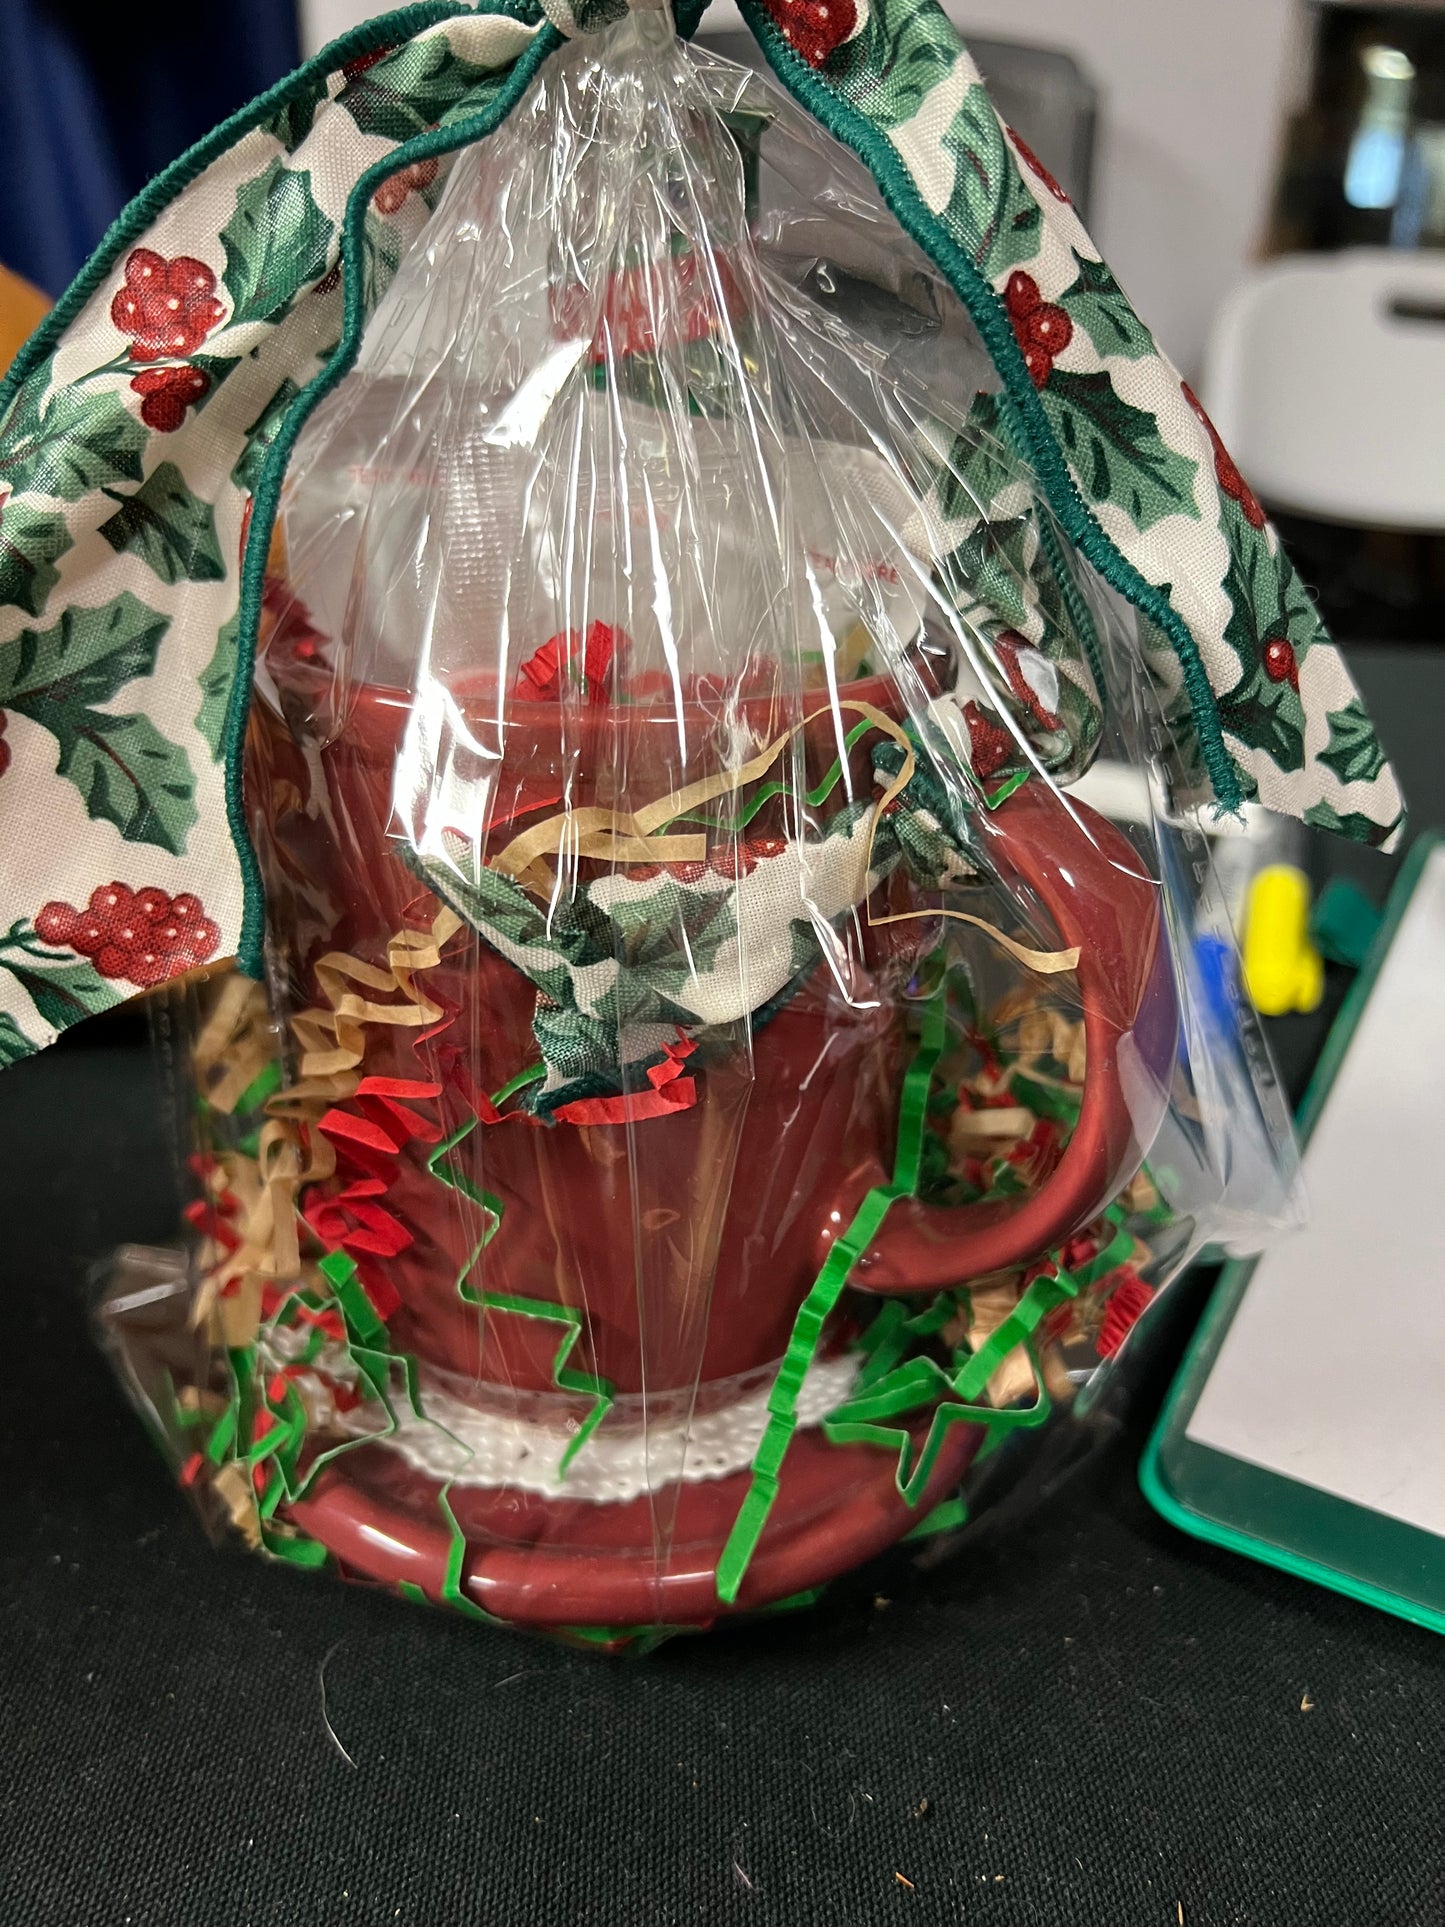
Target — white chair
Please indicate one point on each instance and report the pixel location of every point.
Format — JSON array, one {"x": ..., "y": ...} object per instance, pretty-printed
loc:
[{"x": 1325, "y": 376}]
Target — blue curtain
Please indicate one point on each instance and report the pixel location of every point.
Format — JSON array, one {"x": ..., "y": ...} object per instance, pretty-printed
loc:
[{"x": 92, "y": 107}]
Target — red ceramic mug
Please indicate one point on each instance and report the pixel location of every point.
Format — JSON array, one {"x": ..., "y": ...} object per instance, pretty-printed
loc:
[{"x": 687, "y": 1242}]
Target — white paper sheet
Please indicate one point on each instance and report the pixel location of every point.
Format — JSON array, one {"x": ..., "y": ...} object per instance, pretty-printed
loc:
[{"x": 1333, "y": 1370}]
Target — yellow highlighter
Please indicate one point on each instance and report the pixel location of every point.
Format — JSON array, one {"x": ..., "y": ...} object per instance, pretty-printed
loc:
[{"x": 1282, "y": 968}]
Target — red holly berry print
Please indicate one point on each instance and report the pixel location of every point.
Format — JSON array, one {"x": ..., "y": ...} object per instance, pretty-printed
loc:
[
  {"x": 815, "y": 28},
  {"x": 1042, "y": 328},
  {"x": 142, "y": 936},
  {"x": 686, "y": 872},
  {"x": 760, "y": 848},
  {"x": 168, "y": 393},
  {"x": 393, "y": 194},
  {"x": 990, "y": 747},
  {"x": 1280, "y": 662},
  {"x": 1231, "y": 482},
  {"x": 166, "y": 307},
  {"x": 733, "y": 860},
  {"x": 1036, "y": 167}
]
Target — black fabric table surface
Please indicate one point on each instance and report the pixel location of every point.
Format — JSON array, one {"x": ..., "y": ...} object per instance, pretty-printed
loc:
[{"x": 1083, "y": 1717}]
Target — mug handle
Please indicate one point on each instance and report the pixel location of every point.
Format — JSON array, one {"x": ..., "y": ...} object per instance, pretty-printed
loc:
[{"x": 1095, "y": 887}]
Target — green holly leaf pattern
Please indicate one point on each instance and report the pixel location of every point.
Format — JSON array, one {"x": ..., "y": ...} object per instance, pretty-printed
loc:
[
  {"x": 1098, "y": 305},
  {"x": 476, "y": 101},
  {"x": 131, "y": 775},
  {"x": 1269, "y": 606},
  {"x": 169, "y": 527},
  {"x": 1082, "y": 716},
  {"x": 589, "y": 16},
  {"x": 994, "y": 216},
  {"x": 1358, "y": 828},
  {"x": 1013, "y": 572},
  {"x": 23, "y": 418},
  {"x": 86, "y": 658},
  {"x": 412, "y": 89},
  {"x": 260, "y": 435},
  {"x": 127, "y": 772},
  {"x": 1003, "y": 572},
  {"x": 1057, "y": 596},
  {"x": 82, "y": 440},
  {"x": 506, "y": 917},
  {"x": 1116, "y": 450},
  {"x": 990, "y": 569},
  {"x": 1354, "y": 752},
  {"x": 654, "y": 947},
  {"x": 276, "y": 243},
  {"x": 292, "y": 123},
  {"x": 981, "y": 463},
  {"x": 575, "y": 1046},
  {"x": 662, "y": 945},
  {"x": 902, "y": 54},
  {"x": 216, "y": 680},
  {"x": 14, "y": 1044},
  {"x": 31, "y": 542},
  {"x": 670, "y": 937},
  {"x": 217, "y": 367},
  {"x": 62, "y": 992}
]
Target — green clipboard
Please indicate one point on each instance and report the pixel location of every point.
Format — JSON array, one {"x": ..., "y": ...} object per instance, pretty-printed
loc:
[{"x": 1249, "y": 1503}]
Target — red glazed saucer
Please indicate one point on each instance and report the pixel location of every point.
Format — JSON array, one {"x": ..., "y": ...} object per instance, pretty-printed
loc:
[{"x": 547, "y": 1562}]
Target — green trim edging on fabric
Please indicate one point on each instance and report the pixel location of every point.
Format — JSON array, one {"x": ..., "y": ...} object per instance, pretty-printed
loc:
[
  {"x": 267, "y": 494},
  {"x": 848, "y": 125},
  {"x": 1080, "y": 613}
]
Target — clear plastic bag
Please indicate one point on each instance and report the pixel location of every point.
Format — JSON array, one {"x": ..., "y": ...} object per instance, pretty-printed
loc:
[{"x": 719, "y": 1076}]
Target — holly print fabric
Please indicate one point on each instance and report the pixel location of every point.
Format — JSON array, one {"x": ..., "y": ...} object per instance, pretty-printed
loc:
[
  {"x": 1130, "y": 463},
  {"x": 135, "y": 430},
  {"x": 708, "y": 944},
  {"x": 144, "y": 431}
]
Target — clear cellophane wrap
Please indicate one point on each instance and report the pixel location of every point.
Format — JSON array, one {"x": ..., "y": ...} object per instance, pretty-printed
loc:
[{"x": 749, "y": 1024}]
